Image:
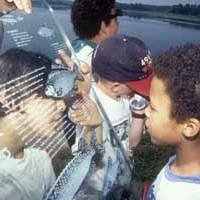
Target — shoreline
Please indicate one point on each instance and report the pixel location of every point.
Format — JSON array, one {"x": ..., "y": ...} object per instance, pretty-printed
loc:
[
  {"x": 160, "y": 15},
  {"x": 136, "y": 13}
]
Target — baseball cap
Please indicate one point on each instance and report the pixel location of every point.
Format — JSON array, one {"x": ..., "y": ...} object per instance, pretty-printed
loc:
[{"x": 124, "y": 59}]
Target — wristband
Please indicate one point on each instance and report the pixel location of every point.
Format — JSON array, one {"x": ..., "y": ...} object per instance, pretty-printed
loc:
[
  {"x": 138, "y": 116},
  {"x": 138, "y": 102}
]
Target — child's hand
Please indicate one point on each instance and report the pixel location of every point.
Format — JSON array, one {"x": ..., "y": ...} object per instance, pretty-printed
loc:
[
  {"x": 85, "y": 71},
  {"x": 85, "y": 113}
]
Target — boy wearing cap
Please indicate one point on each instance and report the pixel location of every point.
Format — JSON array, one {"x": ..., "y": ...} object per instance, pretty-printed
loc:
[
  {"x": 176, "y": 121},
  {"x": 121, "y": 66}
]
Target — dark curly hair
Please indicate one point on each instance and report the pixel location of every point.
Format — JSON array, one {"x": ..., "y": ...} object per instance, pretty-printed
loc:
[
  {"x": 179, "y": 68},
  {"x": 87, "y": 15}
]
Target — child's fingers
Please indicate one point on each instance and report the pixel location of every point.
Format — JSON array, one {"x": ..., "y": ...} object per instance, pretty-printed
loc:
[
  {"x": 85, "y": 69},
  {"x": 90, "y": 105},
  {"x": 66, "y": 59},
  {"x": 78, "y": 105},
  {"x": 79, "y": 119}
]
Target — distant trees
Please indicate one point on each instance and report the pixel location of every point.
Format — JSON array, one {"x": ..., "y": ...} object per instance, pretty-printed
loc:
[
  {"x": 143, "y": 7},
  {"x": 187, "y": 9}
]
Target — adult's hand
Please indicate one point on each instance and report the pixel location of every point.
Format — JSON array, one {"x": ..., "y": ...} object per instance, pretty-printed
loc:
[{"x": 24, "y": 5}]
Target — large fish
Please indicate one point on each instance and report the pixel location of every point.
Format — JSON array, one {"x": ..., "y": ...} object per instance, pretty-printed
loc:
[
  {"x": 72, "y": 176},
  {"x": 62, "y": 83}
]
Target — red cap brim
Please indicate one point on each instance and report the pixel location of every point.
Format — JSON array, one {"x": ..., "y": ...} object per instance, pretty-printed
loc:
[{"x": 143, "y": 86}]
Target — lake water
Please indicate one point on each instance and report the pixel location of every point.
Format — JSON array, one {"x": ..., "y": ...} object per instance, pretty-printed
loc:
[
  {"x": 37, "y": 32},
  {"x": 158, "y": 34}
]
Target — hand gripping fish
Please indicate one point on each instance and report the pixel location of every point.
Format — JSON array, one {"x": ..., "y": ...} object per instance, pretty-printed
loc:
[{"x": 62, "y": 83}]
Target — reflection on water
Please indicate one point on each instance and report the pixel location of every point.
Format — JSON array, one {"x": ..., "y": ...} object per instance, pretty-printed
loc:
[
  {"x": 184, "y": 24},
  {"x": 158, "y": 34}
]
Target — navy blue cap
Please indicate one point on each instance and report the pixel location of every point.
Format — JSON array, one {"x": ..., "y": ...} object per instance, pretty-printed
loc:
[{"x": 126, "y": 60}]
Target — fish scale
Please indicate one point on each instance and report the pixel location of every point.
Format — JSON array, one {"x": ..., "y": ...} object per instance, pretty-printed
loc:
[{"x": 72, "y": 177}]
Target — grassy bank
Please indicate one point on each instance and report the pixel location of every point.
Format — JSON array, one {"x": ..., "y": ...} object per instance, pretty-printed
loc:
[
  {"x": 163, "y": 15},
  {"x": 149, "y": 159}
]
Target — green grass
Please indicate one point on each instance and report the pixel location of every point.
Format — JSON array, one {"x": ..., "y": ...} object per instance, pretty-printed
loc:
[
  {"x": 150, "y": 159},
  {"x": 61, "y": 160}
]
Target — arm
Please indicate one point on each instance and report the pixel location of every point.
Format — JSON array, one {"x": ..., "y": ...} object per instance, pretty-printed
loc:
[
  {"x": 86, "y": 114},
  {"x": 136, "y": 129},
  {"x": 85, "y": 71}
]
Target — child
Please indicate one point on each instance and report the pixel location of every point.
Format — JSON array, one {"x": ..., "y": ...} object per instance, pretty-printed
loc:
[
  {"x": 173, "y": 118},
  {"x": 25, "y": 173},
  {"x": 121, "y": 66},
  {"x": 93, "y": 22}
]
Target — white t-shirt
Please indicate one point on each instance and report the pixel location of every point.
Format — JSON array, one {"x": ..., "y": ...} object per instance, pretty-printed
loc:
[
  {"x": 114, "y": 165},
  {"x": 84, "y": 50},
  {"x": 28, "y": 178},
  {"x": 119, "y": 114},
  {"x": 169, "y": 186}
]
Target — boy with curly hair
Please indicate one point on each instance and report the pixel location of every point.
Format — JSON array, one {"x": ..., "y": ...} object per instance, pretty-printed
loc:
[{"x": 173, "y": 118}]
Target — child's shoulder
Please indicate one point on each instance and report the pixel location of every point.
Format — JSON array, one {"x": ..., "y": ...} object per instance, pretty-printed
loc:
[
  {"x": 169, "y": 185},
  {"x": 170, "y": 176},
  {"x": 36, "y": 155}
]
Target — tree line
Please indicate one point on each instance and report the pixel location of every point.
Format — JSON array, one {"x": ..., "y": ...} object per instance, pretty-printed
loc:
[{"x": 187, "y": 9}]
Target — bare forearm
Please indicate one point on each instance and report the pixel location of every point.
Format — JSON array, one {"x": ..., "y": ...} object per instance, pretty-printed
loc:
[
  {"x": 136, "y": 132},
  {"x": 137, "y": 127}
]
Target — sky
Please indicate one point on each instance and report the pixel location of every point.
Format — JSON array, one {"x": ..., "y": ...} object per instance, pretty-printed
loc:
[{"x": 160, "y": 2}]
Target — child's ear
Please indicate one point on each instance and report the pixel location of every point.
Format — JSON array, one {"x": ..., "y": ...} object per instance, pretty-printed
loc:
[
  {"x": 191, "y": 128},
  {"x": 103, "y": 27},
  {"x": 114, "y": 87},
  {"x": 104, "y": 30}
]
